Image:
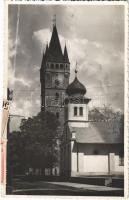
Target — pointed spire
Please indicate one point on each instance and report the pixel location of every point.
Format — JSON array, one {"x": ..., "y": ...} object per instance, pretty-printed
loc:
[
  {"x": 43, "y": 60},
  {"x": 54, "y": 20},
  {"x": 66, "y": 58},
  {"x": 46, "y": 52},
  {"x": 55, "y": 52}
]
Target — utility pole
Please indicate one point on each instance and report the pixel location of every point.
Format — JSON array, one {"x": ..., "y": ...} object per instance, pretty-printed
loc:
[{"x": 9, "y": 167}]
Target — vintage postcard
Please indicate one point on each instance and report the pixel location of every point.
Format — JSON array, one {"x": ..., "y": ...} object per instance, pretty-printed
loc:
[{"x": 66, "y": 95}]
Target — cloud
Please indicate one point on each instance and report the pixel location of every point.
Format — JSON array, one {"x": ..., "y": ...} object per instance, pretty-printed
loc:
[
  {"x": 42, "y": 37},
  {"x": 97, "y": 64},
  {"x": 94, "y": 38}
]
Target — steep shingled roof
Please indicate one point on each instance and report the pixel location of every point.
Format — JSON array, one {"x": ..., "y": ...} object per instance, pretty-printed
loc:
[
  {"x": 54, "y": 51},
  {"x": 99, "y": 132}
]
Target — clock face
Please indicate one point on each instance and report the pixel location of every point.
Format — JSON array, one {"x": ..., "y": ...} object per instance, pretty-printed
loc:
[{"x": 59, "y": 80}]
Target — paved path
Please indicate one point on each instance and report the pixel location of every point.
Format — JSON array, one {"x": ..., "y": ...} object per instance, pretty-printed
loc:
[
  {"x": 86, "y": 186},
  {"x": 63, "y": 188}
]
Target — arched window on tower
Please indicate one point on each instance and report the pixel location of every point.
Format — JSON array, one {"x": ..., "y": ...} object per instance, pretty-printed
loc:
[
  {"x": 57, "y": 96},
  {"x": 52, "y": 66},
  {"x": 57, "y": 66},
  {"x": 61, "y": 66}
]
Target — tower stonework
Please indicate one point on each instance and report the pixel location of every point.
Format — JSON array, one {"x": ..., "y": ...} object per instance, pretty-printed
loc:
[{"x": 54, "y": 77}]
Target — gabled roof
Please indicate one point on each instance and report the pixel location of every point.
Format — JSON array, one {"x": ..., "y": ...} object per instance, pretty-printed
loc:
[
  {"x": 99, "y": 132},
  {"x": 54, "y": 51}
]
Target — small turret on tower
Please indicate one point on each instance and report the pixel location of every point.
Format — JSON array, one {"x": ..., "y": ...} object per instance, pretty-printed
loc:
[
  {"x": 76, "y": 104},
  {"x": 66, "y": 58}
]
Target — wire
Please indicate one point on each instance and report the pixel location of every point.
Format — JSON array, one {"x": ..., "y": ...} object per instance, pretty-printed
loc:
[
  {"x": 16, "y": 41},
  {"x": 35, "y": 90}
]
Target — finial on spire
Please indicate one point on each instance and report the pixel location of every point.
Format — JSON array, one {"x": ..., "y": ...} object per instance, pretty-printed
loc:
[
  {"x": 54, "y": 20},
  {"x": 65, "y": 42},
  {"x": 76, "y": 71}
]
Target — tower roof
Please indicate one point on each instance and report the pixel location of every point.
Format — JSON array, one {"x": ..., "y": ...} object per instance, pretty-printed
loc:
[
  {"x": 76, "y": 88},
  {"x": 46, "y": 52},
  {"x": 54, "y": 51},
  {"x": 66, "y": 58}
]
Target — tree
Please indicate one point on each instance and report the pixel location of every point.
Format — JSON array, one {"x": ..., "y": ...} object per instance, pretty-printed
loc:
[
  {"x": 16, "y": 152},
  {"x": 104, "y": 114},
  {"x": 109, "y": 115},
  {"x": 35, "y": 145}
]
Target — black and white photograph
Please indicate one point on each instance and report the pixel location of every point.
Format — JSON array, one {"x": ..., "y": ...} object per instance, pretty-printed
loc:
[{"x": 65, "y": 95}]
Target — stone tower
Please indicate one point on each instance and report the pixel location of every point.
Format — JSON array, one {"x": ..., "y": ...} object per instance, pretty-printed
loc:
[{"x": 54, "y": 77}]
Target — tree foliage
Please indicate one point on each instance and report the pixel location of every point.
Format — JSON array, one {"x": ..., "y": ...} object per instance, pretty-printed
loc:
[
  {"x": 35, "y": 145},
  {"x": 107, "y": 114}
]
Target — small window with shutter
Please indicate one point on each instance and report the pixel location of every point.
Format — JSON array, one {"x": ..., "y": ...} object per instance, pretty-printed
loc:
[
  {"x": 81, "y": 111},
  {"x": 75, "y": 111}
]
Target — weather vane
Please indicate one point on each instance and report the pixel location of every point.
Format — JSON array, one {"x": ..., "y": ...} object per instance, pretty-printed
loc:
[{"x": 54, "y": 20}]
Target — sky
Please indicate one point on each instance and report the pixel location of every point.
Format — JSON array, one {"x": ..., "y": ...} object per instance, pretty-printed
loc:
[{"x": 94, "y": 35}]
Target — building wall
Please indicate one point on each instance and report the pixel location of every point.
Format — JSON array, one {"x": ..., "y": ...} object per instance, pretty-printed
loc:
[
  {"x": 95, "y": 163},
  {"x": 95, "y": 158},
  {"x": 80, "y": 121}
]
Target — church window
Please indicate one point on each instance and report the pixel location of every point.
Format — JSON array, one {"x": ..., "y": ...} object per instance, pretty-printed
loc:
[
  {"x": 56, "y": 96},
  {"x": 81, "y": 111},
  {"x": 75, "y": 111},
  {"x": 57, "y": 66},
  {"x": 61, "y": 66},
  {"x": 52, "y": 66},
  {"x": 57, "y": 115}
]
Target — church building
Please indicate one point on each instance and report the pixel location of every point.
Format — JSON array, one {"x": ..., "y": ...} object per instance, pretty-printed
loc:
[{"x": 87, "y": 147}]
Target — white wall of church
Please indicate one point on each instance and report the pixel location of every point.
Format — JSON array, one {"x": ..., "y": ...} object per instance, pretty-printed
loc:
[
  {"x": 73, "y": 158},
  {"x": 79, "y": 124},
  {"x": 88, "y": 162},
  {"x": 96, "y": 163},
  {"x": 82, "y": 119}
]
